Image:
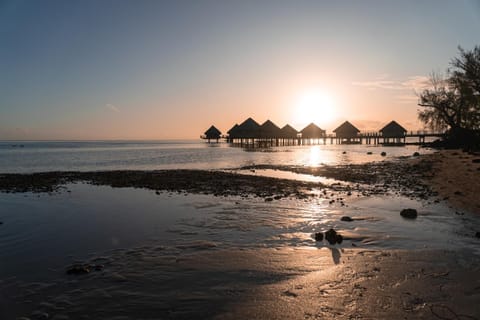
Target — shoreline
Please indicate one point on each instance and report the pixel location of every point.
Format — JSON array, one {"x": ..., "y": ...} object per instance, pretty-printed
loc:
[
  {"x": 445, "y": 175},
  {"x": 386, "y": 177},
  {"x": 263, "y": 283},
  {"x": 456, "y": 178},
  {"x": 303, "y": 282}
]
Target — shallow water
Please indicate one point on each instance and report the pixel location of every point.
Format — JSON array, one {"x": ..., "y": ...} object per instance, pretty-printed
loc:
[
  {"x": 40, "y": 156},
  {"x": 43, "y": 233}
]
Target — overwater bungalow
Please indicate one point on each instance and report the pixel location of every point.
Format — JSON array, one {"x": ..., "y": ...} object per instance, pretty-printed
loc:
[
  {"x": 347, "y": 133},
  {"x": 231, "y": 134},
  {"x": 288, "y": 132},
  {"x": 311, "y": 133},
  {"x": 269, "y": 130},
  {"x": 393, "y": 133},
  {"x": 246, "y": 132},
  {"x": 212, "y": 134}
]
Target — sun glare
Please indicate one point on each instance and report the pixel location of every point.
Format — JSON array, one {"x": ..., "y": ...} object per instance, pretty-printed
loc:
[{"x": 314, "y": 106}]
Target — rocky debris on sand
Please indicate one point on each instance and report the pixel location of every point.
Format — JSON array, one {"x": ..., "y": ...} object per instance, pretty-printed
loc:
[
  {"x": 268, "y": 199},
  {"x": 409, "y": 213},
  {"x": 346, "y": 218},
  {"x": 333, "y": 237},
  {"x": 477, "y": 234},
  {"x": 319, "y": 236},
  {"x": 369, "y": 152},
  {"x": 83, "y": 268},
  {"x": 416, "y": 154},
  {"x": 476, "y": 161},
  {"x": 383, "y": 154}
]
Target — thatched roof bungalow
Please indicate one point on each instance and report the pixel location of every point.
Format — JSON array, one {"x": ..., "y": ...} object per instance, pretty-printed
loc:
[
  {"x": 248, "y": 129},
  {"x": 393, "y": 130},
  {"x": 269, "y": 130},
  {"x": 233, "y": 131},
  {"x": 346, "y": 131},
  {"x": 288, "y": 132},
  {"x": 212, "y": 133},
  {"x": 312, "y": 131}
]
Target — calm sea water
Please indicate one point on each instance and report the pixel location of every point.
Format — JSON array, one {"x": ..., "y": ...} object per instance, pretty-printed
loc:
[
  {"x": 42, "y": 233},
  {"x": 39, "y": 156}
]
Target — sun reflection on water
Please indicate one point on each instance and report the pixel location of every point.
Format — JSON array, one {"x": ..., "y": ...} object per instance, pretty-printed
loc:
[{"x": 315, "y": 157}]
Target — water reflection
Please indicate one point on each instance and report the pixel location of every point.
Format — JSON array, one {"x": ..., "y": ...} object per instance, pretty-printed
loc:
[{"x": 315, "y": 157}]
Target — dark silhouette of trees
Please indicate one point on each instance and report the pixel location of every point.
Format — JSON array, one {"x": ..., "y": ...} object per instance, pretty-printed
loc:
[{"x": 452, "y": 103}]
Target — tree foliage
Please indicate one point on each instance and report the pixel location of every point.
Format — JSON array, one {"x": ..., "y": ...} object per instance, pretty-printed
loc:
[{"x": 452, "y": 103}]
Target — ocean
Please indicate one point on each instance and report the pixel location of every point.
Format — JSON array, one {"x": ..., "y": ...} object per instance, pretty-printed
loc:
[
  {"x": 43, "y": 156},
  {"x": 130, "y": 229}
]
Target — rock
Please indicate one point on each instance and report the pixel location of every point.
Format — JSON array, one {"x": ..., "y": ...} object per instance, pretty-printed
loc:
[
  {"x": 416, "y": 154},
  {"x": 409, "y": 213},
  {"x": 277, "y": 197},
  {"x": 318, "y": 236},
  {"x": 346, "y": 218},
  {"x": 78, "y": 269},
  {"x": 333, "y": 237},
  {"x": 369, "y": 152},
  {"x": 339, "y": 238},
  {"x": 383, "y": 154},
  {"x": 344, "y": 152},
  {"x": 458, "y": 193},
  {"x": 1, "y": 222},
  {"x": 476, "y": 161},
  {"x": 268, "y": 199},
  {"x": 477, "y": 234}
]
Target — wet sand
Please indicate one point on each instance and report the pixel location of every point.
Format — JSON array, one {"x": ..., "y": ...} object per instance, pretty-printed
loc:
[
  {"x": 283, "y": 283},
  {"x": 456, "y": 177},
  {"x": 202, "y": 280}
]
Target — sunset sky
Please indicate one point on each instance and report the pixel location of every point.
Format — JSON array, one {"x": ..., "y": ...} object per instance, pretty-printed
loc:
[{"x": 161, "y": 70}]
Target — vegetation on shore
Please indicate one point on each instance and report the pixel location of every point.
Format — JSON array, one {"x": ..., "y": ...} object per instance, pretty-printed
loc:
[{"x": 452, "y": 103}]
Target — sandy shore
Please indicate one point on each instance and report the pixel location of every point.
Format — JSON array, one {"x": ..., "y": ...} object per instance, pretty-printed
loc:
[
  {"x": 202, "y": 280},
  {"x": 456, "y": 178},
  {"x": 281, "y": 283}
]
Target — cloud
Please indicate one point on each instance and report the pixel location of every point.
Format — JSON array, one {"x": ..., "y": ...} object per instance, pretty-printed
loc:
[
  {"x": 407, "y": 98},
  {"x": 111, "y": 107},
  {"x": 416, "y": 83}
]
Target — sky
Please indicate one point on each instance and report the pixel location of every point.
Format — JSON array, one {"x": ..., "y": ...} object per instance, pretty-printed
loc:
[{"x": 98, "y": 70}]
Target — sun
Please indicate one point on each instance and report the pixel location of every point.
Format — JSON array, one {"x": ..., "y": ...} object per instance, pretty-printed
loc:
[{"x": 314, "y": 105}]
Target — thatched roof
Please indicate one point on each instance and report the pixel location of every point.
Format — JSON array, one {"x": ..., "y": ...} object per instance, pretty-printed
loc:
[
  {"x": 347, "y": 130},
  {"x": 393, "y": 129},
  {"x": 247, "y": 129},
  {"x": 269, "y": 130},
  {"x": 312, "y": 131},
  {"x": 212, "y": 133},
  {"x": 288, "y": 132},
  {"x": 232, "y": 130}
]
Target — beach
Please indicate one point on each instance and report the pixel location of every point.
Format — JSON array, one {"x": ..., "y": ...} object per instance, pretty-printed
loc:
[
  {"x": 241, "y": 244},
  {"x": 456, "y": 178}
]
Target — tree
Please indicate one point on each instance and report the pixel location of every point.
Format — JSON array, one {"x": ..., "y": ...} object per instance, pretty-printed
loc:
[{"x": 452, "y": 103}]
